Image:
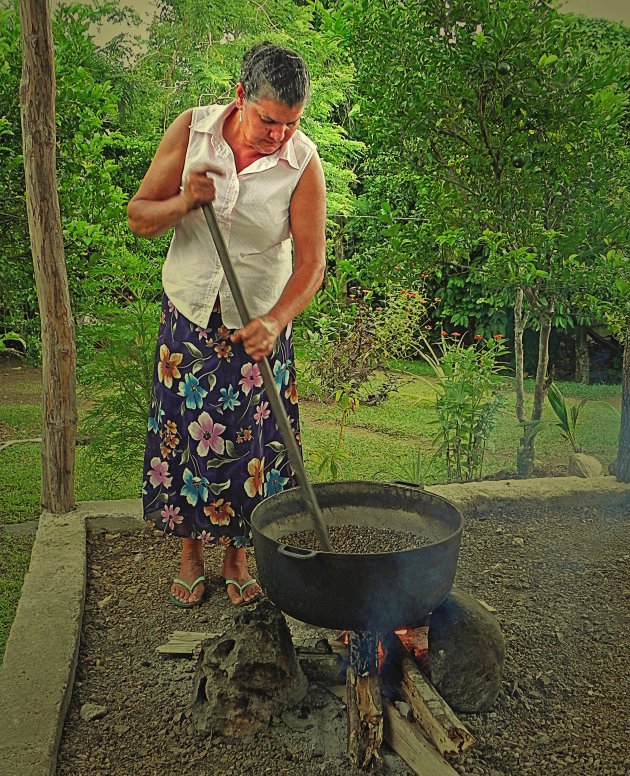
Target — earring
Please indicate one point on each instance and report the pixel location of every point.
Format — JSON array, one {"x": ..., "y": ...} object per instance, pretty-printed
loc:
[{"x": 240, "y": 115}]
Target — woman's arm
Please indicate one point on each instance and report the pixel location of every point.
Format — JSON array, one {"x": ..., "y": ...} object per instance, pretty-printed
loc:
[
  {"x": 307, "y": 212},
  {"x": 159, "y": 203}
]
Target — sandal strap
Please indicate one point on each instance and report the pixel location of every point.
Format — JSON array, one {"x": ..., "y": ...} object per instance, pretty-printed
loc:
[
  {"x": 188, "y": 587},
  {"x": 229, "y": 582},
  {"x": 198, "y": 581},
  {"x": 247, "y": 584},
  {"x": 240, "y": 587}
]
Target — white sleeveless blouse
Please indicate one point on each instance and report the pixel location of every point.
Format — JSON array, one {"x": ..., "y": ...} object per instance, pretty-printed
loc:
[{"x": 252, "y": 208}]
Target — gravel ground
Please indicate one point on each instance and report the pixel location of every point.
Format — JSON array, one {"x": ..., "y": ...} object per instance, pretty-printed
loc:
[{"x": 559, "y": 582}]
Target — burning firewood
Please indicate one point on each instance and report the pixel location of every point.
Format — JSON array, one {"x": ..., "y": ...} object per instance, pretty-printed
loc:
[
  {"x": 407, "y": 740},
  {"x": 363, "y": 701},
  {"x": 447, "y": 733}
]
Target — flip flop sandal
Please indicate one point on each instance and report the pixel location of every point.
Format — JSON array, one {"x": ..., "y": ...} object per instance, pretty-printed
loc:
[
  {"x": 242, "y": 587},
  {"x": 187, "y": 604}
]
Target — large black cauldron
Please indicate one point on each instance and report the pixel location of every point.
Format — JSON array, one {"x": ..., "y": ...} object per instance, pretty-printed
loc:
[{"x": 359, "y": 592}]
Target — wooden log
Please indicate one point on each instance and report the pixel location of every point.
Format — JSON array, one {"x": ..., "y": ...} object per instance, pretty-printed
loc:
[
  {"x": 363, "y": 701},
  {"x": 407, "y": 740},
  {"x": 184, "y": 642},
  {"x": 447, "y": 733}
]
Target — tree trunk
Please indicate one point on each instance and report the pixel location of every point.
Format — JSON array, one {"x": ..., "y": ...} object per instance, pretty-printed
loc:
[
  {"x": 37, "y": 93},
  {"x": 582, "y": 360},
  {"x": 527, "y": 444},
  {"x": 524, "y": 461},
  {"x": 519, "y": 330},
  {"x": 543, "y": 362},
  {"x": 623, "y": 456}
]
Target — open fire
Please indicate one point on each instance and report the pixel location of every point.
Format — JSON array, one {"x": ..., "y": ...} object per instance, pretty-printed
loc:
[{"x": 382, "y": 671}]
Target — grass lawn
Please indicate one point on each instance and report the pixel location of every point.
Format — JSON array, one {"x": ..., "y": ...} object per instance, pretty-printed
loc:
[
  {"x": 15, "y": 553},
  {"x": 390, "y": 441}
]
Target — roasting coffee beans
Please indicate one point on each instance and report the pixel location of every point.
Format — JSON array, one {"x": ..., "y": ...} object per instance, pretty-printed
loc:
[{"x": 360, "y": 539}]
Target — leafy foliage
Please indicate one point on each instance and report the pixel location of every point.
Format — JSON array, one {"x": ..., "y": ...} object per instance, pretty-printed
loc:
[
  {"x": 567, "y": 415},
  {"x": 117, "y": 384},
  {"x": 469, "y": 394},
  {"x": 511, "y": 126},
  {"x": 351, "y": 344}
]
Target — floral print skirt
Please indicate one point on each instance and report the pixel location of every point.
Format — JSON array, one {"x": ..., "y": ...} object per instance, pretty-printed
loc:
[{"x": 213, "y": 450}]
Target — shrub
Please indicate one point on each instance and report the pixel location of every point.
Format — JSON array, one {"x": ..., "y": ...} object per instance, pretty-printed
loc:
[{"x": 468, "y": 398}]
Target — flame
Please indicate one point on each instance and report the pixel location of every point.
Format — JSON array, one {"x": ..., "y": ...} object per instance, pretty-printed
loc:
[{"x": 401, "y": 632}]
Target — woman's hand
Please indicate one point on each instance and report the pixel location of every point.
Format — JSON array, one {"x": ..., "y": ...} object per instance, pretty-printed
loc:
[
  {"x": 160, "y": 202},
  {"x": 259, "y": 336},
  {"x": 199, "y": 187}
]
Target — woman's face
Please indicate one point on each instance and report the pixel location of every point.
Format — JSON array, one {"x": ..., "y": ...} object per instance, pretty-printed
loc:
[{"x": 267, "y": 125}]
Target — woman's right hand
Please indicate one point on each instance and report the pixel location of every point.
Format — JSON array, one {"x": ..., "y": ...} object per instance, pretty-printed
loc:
[
  {"x": 198, "y": 186},
  {"x": 163, "y": 198}
]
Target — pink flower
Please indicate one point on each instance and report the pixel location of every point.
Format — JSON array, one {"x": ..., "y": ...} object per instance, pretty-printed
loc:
[
  {"x": 171, "y": 516},
  {"x": 172, "y": 308},
  {"x": 262, "y": 412},
  {"x": 206, "y": 538},
  {"x": 251, "y": 377},
  {"x": 203, "y": 333},
  {"x": 158, "y": 473},
  {"x": 208, "y": 434}
]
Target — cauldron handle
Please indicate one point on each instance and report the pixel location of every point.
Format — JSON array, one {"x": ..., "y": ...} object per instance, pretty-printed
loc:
[
  {"x": 404, "y": 483},
  {"x": 297, "y": 553}
]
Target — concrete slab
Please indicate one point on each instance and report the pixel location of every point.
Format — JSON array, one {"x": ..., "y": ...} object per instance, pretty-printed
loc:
[
  {"x": 474, "y": 497},
  {"x": 35, "y": 689},
  {"x": 34, "y": 761},
  {"x": 41, "y": 654}
]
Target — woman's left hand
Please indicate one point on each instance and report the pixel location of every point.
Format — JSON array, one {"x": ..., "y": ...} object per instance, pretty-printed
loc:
[{"x": 259, "y": 336}]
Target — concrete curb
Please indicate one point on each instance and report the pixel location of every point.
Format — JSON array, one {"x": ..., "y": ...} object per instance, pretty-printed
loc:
[
  {"x": 42, "y": 649},
  {"x": 475, "y": 497},
  {"x": 39, "y": 664}
]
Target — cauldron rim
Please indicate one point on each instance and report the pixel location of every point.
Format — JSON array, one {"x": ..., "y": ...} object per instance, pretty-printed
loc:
[{"x": 294, "y": 493}]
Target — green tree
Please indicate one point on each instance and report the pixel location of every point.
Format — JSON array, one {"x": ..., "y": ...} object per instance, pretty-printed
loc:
[
  {"x": 515, "y": 128},
  {"x": 610, "y": 298}
]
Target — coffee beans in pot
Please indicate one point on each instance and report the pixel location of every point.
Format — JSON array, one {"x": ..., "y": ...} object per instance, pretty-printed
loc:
[{"x": 359, "y": 539}]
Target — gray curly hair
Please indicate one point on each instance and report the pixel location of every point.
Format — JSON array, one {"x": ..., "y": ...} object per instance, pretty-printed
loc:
[{"x": 275, "y": 73}]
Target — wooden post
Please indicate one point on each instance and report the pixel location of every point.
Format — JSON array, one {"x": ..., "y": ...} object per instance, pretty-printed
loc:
[
  {"x": 37, "y": 97},
  {"x": 623, "y": 455},
  {"x": 363, "y": 701}
]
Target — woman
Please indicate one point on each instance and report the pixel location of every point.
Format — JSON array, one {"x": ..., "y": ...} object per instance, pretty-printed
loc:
[{"x": 213, "y": 451}]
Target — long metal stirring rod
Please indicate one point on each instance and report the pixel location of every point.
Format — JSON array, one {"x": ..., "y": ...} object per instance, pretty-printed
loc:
[{"x": 273, "y": 395}]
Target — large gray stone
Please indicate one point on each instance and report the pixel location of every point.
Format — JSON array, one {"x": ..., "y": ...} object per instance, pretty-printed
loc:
[
  {"x": 466, "y": 653},
  {"x": 247, "y": 675},
  {"x": 582, "y": 465}
]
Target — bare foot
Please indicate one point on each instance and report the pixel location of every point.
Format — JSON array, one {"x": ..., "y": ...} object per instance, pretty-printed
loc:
[
  {"x": 235, "y": 567},
  {"x": 190, "y": 569}
]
